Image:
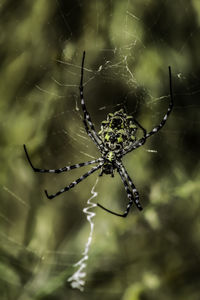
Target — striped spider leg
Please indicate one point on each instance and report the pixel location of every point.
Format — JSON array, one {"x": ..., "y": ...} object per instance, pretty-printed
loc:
[
  {"x": 60, "y": 170},
  {"x": 65, "y": 169},
  {"x": 131, "y": 191},
  {"x": 71, "y": 185},
  {"x": 162, "y": 123},
  {"x": 89, "y": 126}
]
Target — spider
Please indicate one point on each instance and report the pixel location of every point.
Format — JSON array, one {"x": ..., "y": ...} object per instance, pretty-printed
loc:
[{"x": 117, "y": 137}]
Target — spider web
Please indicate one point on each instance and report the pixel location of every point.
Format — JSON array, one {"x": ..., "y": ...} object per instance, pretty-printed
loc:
[{"x": 128, "y": 48}]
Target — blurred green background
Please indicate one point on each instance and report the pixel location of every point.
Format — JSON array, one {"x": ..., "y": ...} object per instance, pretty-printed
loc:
[{"x": 153, "y": 254}]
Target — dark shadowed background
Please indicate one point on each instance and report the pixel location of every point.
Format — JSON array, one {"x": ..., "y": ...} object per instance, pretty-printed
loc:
[{"x": 153, "y": 254}]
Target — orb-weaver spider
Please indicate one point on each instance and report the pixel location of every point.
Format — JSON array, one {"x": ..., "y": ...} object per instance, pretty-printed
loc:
[{"x": 116, "y": 138}]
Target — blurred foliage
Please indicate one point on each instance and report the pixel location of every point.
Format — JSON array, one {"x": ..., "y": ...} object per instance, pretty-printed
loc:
[{"x": 129, "y": 45}]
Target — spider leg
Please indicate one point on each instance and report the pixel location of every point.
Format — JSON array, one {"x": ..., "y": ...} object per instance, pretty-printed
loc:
[
  {"x": 139, "y": 143},
  {"x": 131, "y": 200},
  {"x": 157, "y": 128},
  {"x": 71, "y": 185},
  {"x": 162, "y": 123},
  {"x": 99, "y": 146},
  {"x": 87, "y": 119},
  {"x": 60, "y": 170},
  {"x": 126, "y": 178},
  {"x": 111, "y": 212},
  {"x": 132, "y": 194},
  {"x": 141, "y": 127}
]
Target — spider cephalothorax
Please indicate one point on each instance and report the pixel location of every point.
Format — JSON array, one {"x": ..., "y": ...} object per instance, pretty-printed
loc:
[{"x": 117, "y": 137}]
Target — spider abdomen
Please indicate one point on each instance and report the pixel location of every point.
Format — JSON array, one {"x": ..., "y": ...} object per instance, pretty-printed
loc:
[{"x": 118, "y": 131}]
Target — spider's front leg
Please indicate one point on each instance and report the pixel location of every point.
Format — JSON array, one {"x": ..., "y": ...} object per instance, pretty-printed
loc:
[{"x": 89, "y": 126}]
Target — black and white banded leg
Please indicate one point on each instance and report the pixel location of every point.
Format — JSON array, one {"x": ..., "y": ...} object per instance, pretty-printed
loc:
[
  {"x": 131, "y": 191},
  {"x": 60, "y": 170},
  {"x": 123, "y": 173},
  {"x": 87, "y": 119},
  {"x": 71, "y": 185},
  {"x": 130, "y": 197},
  {"x": 162, "y": 123},
  {"x": 89, "y": 133},
  {"x": 138, "y": 143},
  {"x": 129, "y": 194}
]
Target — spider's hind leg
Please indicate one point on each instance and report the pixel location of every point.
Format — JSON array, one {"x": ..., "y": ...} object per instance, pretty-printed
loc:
[
  {"x": 112, "y": 212},
  {"x": 133, "y": 194}
]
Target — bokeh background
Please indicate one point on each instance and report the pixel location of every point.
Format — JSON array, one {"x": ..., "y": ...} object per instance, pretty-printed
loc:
[{"x": 153, "y": 254}]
